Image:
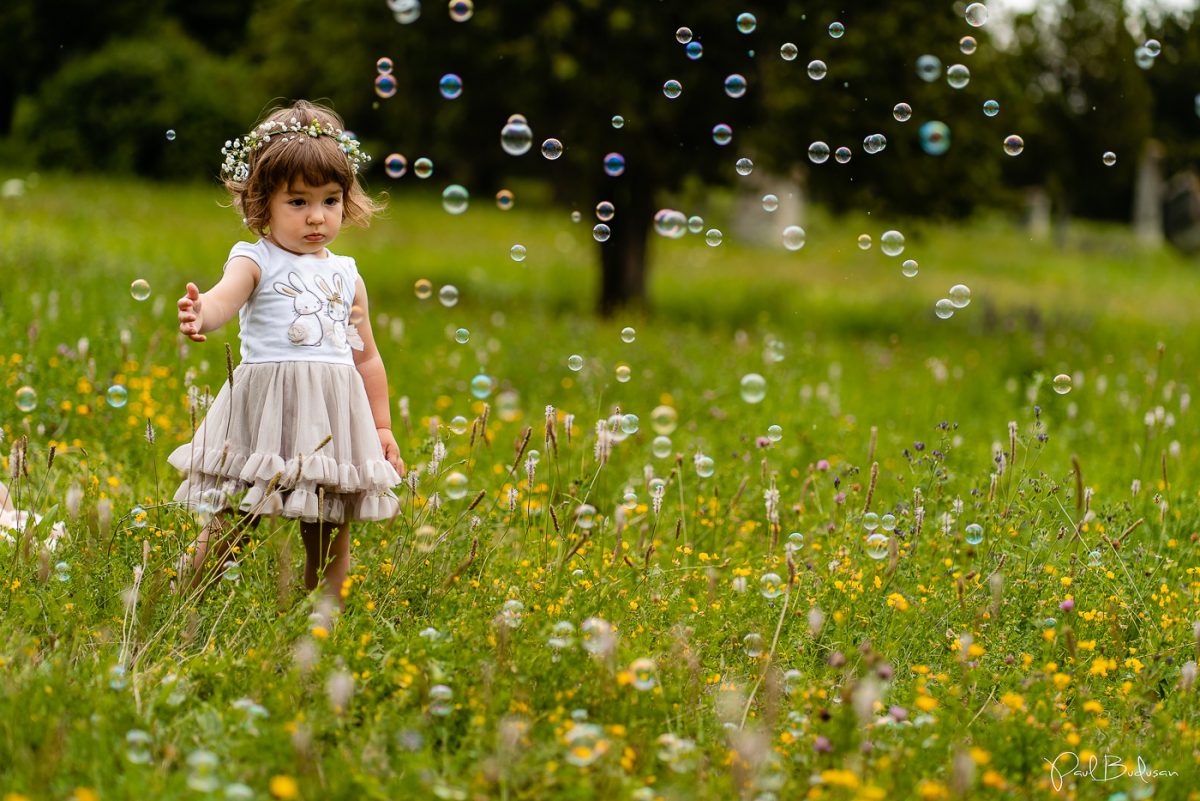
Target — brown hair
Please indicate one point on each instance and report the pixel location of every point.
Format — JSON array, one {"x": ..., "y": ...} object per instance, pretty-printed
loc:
[{"x": 287, "y": 157}]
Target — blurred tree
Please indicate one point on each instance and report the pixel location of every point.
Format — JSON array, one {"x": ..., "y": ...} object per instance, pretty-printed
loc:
[{"x": 1175, "y": 89}]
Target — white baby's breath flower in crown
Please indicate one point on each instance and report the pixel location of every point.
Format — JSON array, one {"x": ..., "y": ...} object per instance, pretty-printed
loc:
[{"x": 237, "y": 151}]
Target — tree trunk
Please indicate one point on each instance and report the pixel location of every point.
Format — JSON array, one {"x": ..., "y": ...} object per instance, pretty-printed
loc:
[{"x": 623, "y": 263}]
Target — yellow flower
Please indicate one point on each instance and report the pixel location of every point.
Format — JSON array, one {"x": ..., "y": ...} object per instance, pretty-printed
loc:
[
  {"x": 284, "y": 787},
  {"x": 320, "y": 632},
  {"x": 898, "y": 601},
  {"x": 1092, "y": 706},
  {"x": 980, "y": 756},
  {"x": 15, "y": 797},
  {"x": 839, "y": 778},
  {"x": 86, "y": 794},
  {"x": 1014, "y": 701},
  {"x": 925, "y": 703},
  {"x": 1061, "y": 680},
  {"x": 931, "y": 790},
  {"x": 1101, "y": 666}
]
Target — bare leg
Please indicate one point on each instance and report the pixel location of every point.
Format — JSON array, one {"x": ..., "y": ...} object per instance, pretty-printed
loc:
[
  {"x": 326, "y": 557},
  {"x": 221, "y": 534}
]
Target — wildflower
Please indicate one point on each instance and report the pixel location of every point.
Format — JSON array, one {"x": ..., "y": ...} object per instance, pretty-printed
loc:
[
  {"x": 898, "y": 713},
  {"x": 1067, "y": 605},
  {"x": 822, "y": 745},
  {"x": 898, "y": 601},
  {"x": 771, "y": 496},
  {"x": 511, "y": 499},
  {"x": 822, "y": 464},
  {"x": 603, "y": 442},
  {"x": 284, "y": 787},
  {"x": 1187, "y": 675}
]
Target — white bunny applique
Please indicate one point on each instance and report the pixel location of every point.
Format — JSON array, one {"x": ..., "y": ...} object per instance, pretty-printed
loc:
[
  {"x": 337, "y": 308},
  {"x": 306, "y": 329}
]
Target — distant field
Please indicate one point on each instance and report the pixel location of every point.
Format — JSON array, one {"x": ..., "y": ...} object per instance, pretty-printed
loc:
[{"x": 920, "y": 665}]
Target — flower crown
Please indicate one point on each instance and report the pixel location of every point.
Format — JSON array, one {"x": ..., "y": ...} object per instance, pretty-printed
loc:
[{"x": 237, "y": 152}]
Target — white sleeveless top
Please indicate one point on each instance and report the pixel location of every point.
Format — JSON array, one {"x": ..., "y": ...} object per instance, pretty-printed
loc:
[{"x": 300, "y": 310}]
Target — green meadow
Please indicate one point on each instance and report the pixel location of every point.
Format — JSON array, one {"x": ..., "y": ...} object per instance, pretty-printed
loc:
[{"x": 938, "y": 578}]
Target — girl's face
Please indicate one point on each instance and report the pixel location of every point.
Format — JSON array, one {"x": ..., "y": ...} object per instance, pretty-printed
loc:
[{"x": 304, "y": 219}]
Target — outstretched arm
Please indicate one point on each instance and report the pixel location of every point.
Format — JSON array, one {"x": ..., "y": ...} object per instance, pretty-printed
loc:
[
  {"x": 374, "y": 376},
  {"x": 208, "y": 311}
]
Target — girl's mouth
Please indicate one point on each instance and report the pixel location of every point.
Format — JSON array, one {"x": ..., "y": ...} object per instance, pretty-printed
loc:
[{"x": 314, "y": 237}]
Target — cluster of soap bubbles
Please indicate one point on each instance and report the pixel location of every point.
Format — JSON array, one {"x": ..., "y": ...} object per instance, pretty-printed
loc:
[
  {"x": 447, "y": 295},
  {"x": 385, "y": 81}
]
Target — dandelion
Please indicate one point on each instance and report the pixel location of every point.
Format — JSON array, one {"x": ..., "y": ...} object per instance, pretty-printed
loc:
[{"x": 284, "y": 787}]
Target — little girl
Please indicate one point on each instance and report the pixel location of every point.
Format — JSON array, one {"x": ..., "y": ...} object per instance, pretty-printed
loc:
[{"x": 305, "y": 429}]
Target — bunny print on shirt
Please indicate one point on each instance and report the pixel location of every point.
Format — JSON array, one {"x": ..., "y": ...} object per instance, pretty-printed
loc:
[{"x": 306, "y": 329}]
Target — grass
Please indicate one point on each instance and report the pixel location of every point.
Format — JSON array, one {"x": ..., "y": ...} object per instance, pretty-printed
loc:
[{"x": 941, "y": 668}]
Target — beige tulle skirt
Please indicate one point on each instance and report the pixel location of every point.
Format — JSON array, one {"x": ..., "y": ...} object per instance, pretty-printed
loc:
[{"x": 262, "y": 441}]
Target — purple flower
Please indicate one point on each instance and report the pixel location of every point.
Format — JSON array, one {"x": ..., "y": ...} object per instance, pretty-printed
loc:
[
  {"x": 1067, "y": 605},
  {"x": 898, "y": 713},
  {"x": 822, "y": 745},
  {"x": 839, "y": 498},
  {"x": 822, "y": 464},
  {"x": 762, "y": 442}
]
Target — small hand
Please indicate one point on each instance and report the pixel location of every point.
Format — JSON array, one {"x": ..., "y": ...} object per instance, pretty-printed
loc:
[
  {"x": 391, "y": 451},
  {"x": 189, "y": 314}
]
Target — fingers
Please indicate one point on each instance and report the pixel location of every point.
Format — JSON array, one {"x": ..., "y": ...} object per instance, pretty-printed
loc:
[{"x": 193, "y": 292}]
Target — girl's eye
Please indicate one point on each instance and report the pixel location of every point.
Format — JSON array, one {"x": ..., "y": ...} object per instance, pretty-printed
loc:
[
  {"x": 333, "y": 201},
  {"x": 296, "y": 202}
]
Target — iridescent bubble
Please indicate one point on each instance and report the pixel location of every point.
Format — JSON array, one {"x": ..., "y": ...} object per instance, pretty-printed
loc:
[
  {"x": 774, "y": 433},
  {"x": 874, "y": 143},
  {"x": 62, "y": 572},
  {"x": 395, "y": 165},
  {"x": 586, "y": 743},
  {"x": 891, "y": 243},
  {"x": 683, "y": 35},
  {"x": 753, "y": 388},
  {"x": 935, "y": 137},
  {"x": 713, "y": 237},
  {"x": 888, "y": 522},
  {"x": 601, "y": 232},
  {"x": 576, "y": 216},
  {"x": 117, "y": 396},
  {"x": 552, "y": 149},
  {"x": 517, "y": 252},
  {"x": 722, "y": 134},
  {"x": 1143, "y": 58},
  {"x": 944, "y": 309},
  {"x": 614, "y": 165},
  {"x": 695, "y": 223},
  {"x": 977, "y": 15},
  {"x": 973, "y": 534},
  {"x": 864, "y": 241},
  {"x": 575, "y": 362},
  {"x": 138, "y": 517},
  {"x": 405, "y": 11},
  {"x": 516, "y": 137},
  {"x": 1061, "y": 383},
  {"x": 753, "y": 643},
  {"x": 462, "y": 336},
  {"x": 670, "y": 223},
  {"x": 423, "y": 168},
  {"x": 140, "y": 289},
  {"x": 909, "y": 268},
  {"x": 788, "y": 51},
  {"x": 451, "y": 86},
  {"x": 793, "y": 237},
  {"x": 170, "y": 134},
  {"x": 958, "y": 76},
  {"x": 630, "y": 423},
  {"x": 481, "y": 386},
  {"x": 672, "y": 89},
  {"x": 870, "y": 521},
  {"x": 771, "y": 585},
  {"x": 231, "y": 571},
  {"x": 902, "y": 112},
  {"x": 842, "y": 155},
  {"x": 385, "y": 85},
  {"x": 967, "y": 45},
  {"x": 770, "y": 203},
  {"x": 836, "y": 29},
  {"x": 877, "y": 545},
  {"x": 664, "y": 419},
  {"x": 817, "y": 69},
  {"x": 448, "y": 295},
  {"x": 441, "y": 700},
  {"x": 504, "y": 200},
  {"x": 744, "y": 166},
  {"x": 677, "y": 753},
  {"x": 423, "y": 288},
  {"x": 117, "y": 679},
  {"x": 991, "y": 108},
  {"x": 929, "y": 67},
  {"x": 1095, "y": 558},
  {"x": 585, "y": 516},
  {"x": 705, "y": 466},
  {"x": 1109, "y": 158},
  {"x": 818, "y": 152},
  {"x": 618, "y": 121},
  {"x": 628, "y": 334},
  {"x": 1153, "y": 47},
  {"x": 562, "y": 635},
  {"x": 746, "y": 22},
  {"x": 735, "y": 85},
  {"x": 960, "y": 296},
  {"x": 623, "y": 372},
  {"x": 461, "y": 10},
  {"x": 694, "y": 50},
  {"x": 455, "y": 199},
  {"x": 1013, "y": 145},
  {"x": 661, "y": 447},
  {"x": 384, "y": 65},
  {"x": 643, "y": 674},
  {"x": 511, "y": 612}
]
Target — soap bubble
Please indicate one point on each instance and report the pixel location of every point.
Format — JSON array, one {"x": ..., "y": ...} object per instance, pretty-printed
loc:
[
  {"x": 395, "y": 165},
  {"x": 735, "y": 85},
  {"x": 423, "y": 168},
  {"x": 1095, "y": 558},
  {"x": 576, "y": 216},
  {"x": 1014, "y": 145},
  {"x": 623, "y": 373},
  {"x": 870, "y": 521},
  {"x": 705, "y": 466},
  {"x": 746, "y": 23},
  {"x": 664, "y": 419},
  {"x": 461, "y": 10},
  {"x": 670, "y": 223},
  {"x": 775, "y": 433},
  {"x": 661, "y": 447},
  {"x": 461, "y": 336},
  {"x": 967, "y": 45},
  {"x": 138, "y": 517},
  {"x": 722, "y": 134},
  {"x": 423, "y": 288},
  {"x": 140, "y": 289},
  {"x": 618, "y": 121},
  {"x": 504, "y": 200},
  {"x": 231, "y": 571},
  {"x": 1153, "y": 47},
  {"x": 117, "y": 679},
  {"x": 455, "y": 199},
  {"x": 458, "y": 424},
  {"x": 628, "y": 334},
  {"x": 586, "y": 743},
  {"x": 601, "y": 232},
  {"x": 677, "y": 753},
  {"x": 385, "y": 85},
  {"x": 842, "y": 155},
  {"x": 770, "y": 203},
  {"x": 585, "y": 516},
  {"x": 744, "y": 166},
  {"x": 672, "y": 89},
  {"x": 516, "y": 137},
  {"x": 753, "y": 643},
  {"x": 836, "y": 29},
  {"x": 562, "y": 635},
  {"x": 448, "y": 295},
  {"x": 864, "y": 241},
  {"x": 888, "y": 522},
  {"x": 511, "y": 613},
  {"x": 1109, "y": 158},
  {"x": 771, "y": 585},
  {"x": 695, "y": 223},
  {"x": 929, "y": 67},
  {"x": 605, "y": 210},
  {"x": 991, "y": 108},
  {"x": 818, "y": 152},
  {"x": 977, "y": 15},
  {"x": 875, "y": 143},
  {"x": 456, "y": 485},
  {"x": 877, "y": 545},
  {"x": 630, "y": 424},
  {"x": 451, "y": 86},
  {"x": 713, "y": 237},
  {"x": 694, "y": 50},
  {"x": 902, "y": 112},
  {"x": 909, "y": 268},
  {"x": 614, "y": 165},
  {"x": 62, "y": 572},
  {"x": 960, "y": 296},
  {"x": 170, "y": 134},
  {"x": 117, "y": 396},
  {"x": 405, "y": 11},
  {"x": 788, "y": 51},
  {"x": 441, "y": 700},
  {"x": 973, "y": 534},
  {"x": 481, "y": 385},
  {"x": 1061, "y": 383},
  {"x": 935, "y": 137},
  {"x": 683, "y": 35},
  {"x": 517, "y": 252},
  {"x": 384, "y": 65},
  {"x": 944, "y": 309},
  {"x": 753, "y": 388},
  {"x": 958, "y": 76},
  {"x": 1143, "y": 58},
  {"x": 575, "y": 362},
  {"x": 817, "y": 69},
  {"x": 793, "y": 237},
  {"x": 552, "y": 149},
  {"x": 891, "y": 243}
]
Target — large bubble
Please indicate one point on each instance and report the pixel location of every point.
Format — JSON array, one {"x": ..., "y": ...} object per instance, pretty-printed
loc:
[
  {"x": 935, "y": 137},
  {"x": 516, "y": 137}
]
